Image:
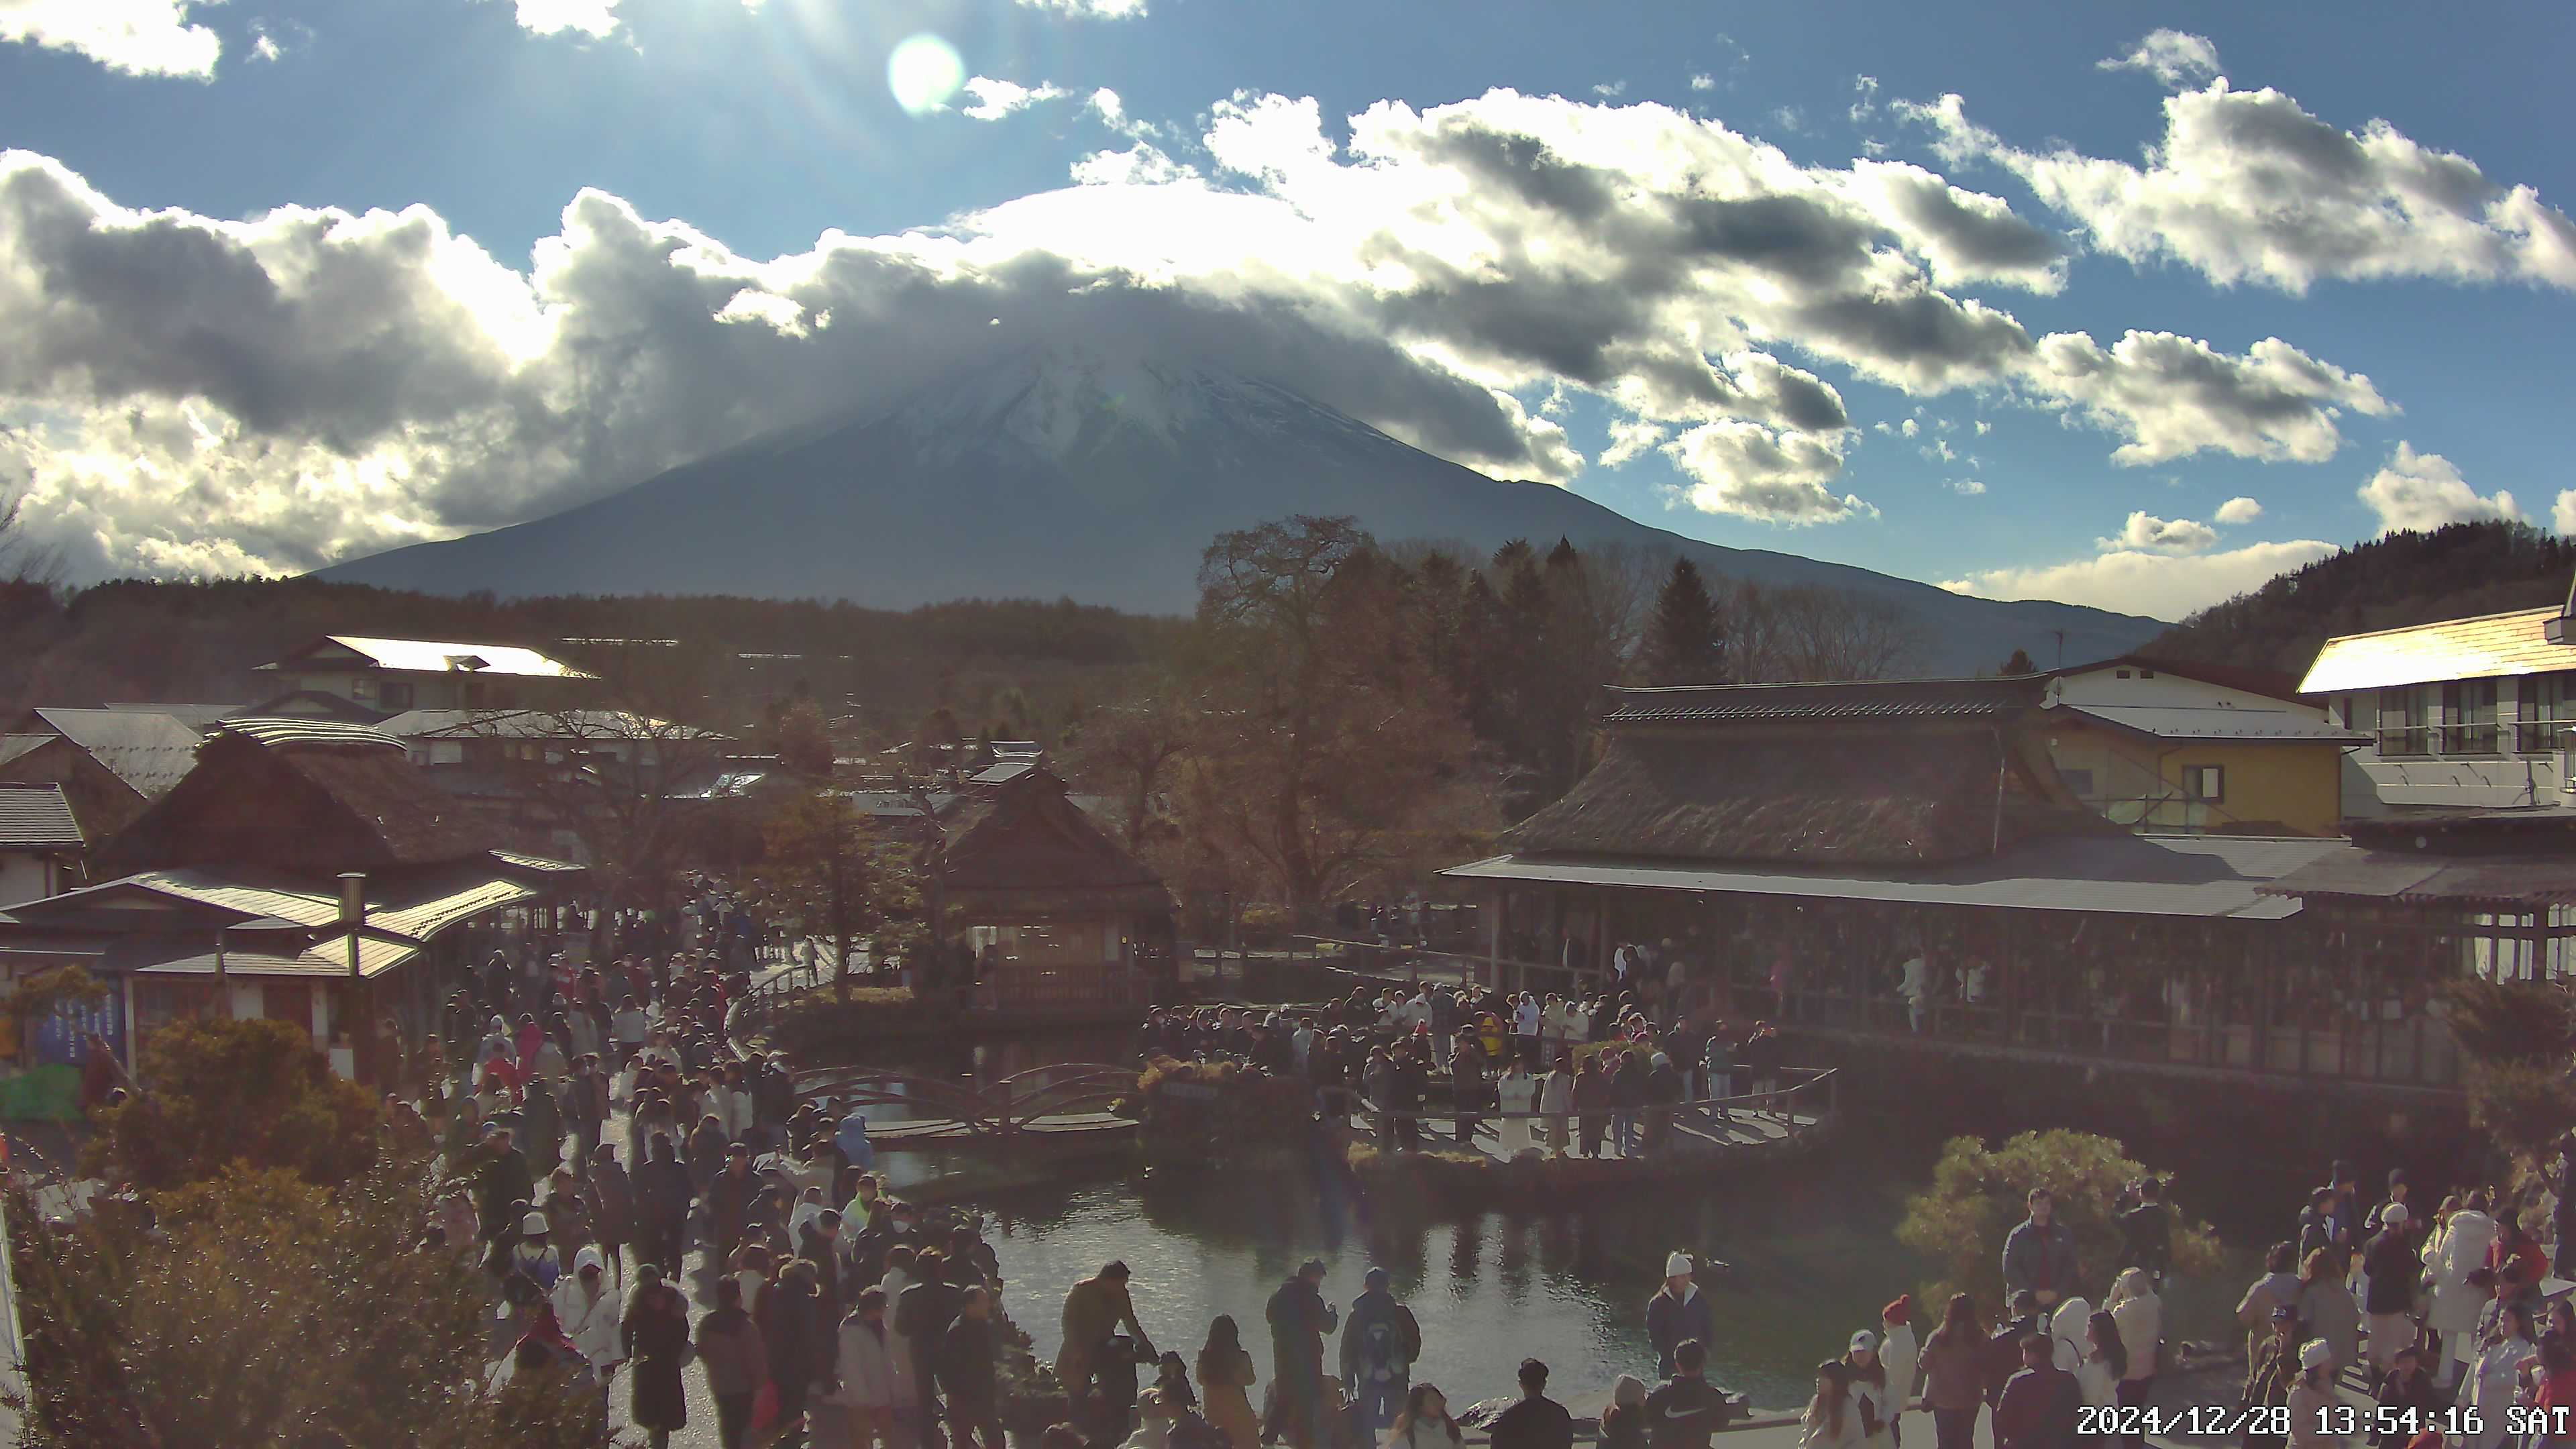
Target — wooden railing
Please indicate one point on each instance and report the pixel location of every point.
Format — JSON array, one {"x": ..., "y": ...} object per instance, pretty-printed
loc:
[
  {"x": 1812, "y": 1092},
  {"x": 1002, "y": 1108}
]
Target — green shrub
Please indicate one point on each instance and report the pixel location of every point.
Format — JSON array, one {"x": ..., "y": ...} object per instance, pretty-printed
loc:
[{"x": 1977, "y": 1197}]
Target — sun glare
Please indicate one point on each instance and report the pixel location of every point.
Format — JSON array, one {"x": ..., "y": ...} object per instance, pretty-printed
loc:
[{"x": 923, "y": 71}]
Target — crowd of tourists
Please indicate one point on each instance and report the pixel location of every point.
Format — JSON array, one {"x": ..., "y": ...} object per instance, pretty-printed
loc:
[
  {"x": 1590, "y": 1076},
  {"x": 2431, "y": 1303}
]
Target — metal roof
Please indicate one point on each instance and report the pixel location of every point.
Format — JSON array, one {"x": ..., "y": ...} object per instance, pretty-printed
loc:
[
  {"x": 325, "y": 958},
  {"x": 2145, "y": 875},
  {"x": 12, "y": 746},
  {"x": 222, "y": 890},
  {"x": 543, "y": 865},
  {"x": 899, "y": 804},
  {"x": 1002, "y": 773},
  {"x": 299, "y": 730},
  {"x": 1856, "y": 699},
  {"x": 195, "y": 716},
  {"x": 2479, "y": 648},
  {"x": 149, "y": 752},
  {"x": 2193, "y": 722},
  {"x": 2357, "y": 872},
  {"x": 458, "y": 900},
  {"x": 37, "y": 817},
  {"x": 533, "y": 724},
  {"x": 431, "y": 656}
]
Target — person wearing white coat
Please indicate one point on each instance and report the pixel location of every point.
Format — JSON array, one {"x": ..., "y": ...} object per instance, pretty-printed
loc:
[
  {"x": 590, "y": 1309},
  {"x": 2494, "y": 1376},
  {"x": 2066, "y": 1333},
  {"x": 1514, "y": 1091},
  {"x": 2453, "y": 1319},
  {"x": 2140, "y": 1316},
  {"x": 869, "y": 1396},
  {"x": 1898, "y": 1353}
]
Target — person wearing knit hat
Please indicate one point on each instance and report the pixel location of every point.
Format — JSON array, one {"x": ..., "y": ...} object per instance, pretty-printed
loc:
[
  {"x": 533, "y": 1266},
  {"x": 1898, "y": 1353},
  {"x": 2390, "y": 1269},
  {"x": 1677, "y": 1313}
]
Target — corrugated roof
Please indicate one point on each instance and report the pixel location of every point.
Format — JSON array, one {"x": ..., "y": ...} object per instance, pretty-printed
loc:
[
  {"x": 545, "y": 865},
  {"x": 2146, "y": 875},
  {"x": 275, "y": 730},
  {"x": 326, "y": 958},
  {"x": 435, "y": 656},
  {"x": 2484, "y": 647},
  {"x": 149, "y": 752},
  {"x": 457, "y": 900},
  {"x": 226, "y": 890},
  {"x": 37, "y": 817},
  {"x": 1001, "y": 773},
  {"x": 533, "y": 724},
  {"x": 12, "y": 746},
  {"x": 1856, "y": 699},
  {"x": 2191, "y": 722}
]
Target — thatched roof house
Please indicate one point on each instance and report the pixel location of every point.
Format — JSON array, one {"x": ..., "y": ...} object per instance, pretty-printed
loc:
[
  {"x": 297, "y": 795},
  {"x": 1870, "y": 772},
  {"x": 1061, "y": 917}
]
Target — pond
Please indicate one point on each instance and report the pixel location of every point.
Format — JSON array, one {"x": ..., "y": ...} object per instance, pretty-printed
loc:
[{"x": 1811, "y": 1251}]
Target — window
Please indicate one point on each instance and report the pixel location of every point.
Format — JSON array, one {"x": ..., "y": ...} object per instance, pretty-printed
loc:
[
  {"x": 2402, "y": 725},
  {"x": 2206, "y": 784},
  {"x": 2079, "y": 782},
  {"x": 2469, "y": 717},
  {"x": 2543, "y": 706},
  {"x": 397, "y": 694}
]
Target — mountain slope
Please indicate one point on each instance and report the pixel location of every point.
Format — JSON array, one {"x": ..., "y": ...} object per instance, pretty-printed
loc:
[
  {"x": 2457, "y": 571},
  {"x": 1100, "y": 478}
]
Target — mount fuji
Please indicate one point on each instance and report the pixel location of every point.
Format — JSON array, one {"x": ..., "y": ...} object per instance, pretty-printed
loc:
[{"x": 1079, "y": 473}]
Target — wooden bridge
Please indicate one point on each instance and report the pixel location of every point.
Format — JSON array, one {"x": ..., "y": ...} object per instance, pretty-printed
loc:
[{"x": 1056, "y": 1106}]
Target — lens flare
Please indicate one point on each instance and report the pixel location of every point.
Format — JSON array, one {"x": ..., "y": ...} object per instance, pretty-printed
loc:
[{"x": 923, "y": 71}]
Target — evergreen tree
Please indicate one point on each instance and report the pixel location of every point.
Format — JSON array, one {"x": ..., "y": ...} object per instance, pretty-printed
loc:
[
  {"x": 1683, "y": 643},
  {"x": 2020, "y": 663}
]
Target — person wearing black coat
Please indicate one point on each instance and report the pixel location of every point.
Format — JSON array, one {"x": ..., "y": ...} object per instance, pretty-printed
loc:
[
  {"x": 964, "y": 1369},
  {"x": 923, "y": 1313},
  {"x": 655, "y": 1335},
  {"x": 663, "y": 1197},
  {"x": 501, "y": 1181}
]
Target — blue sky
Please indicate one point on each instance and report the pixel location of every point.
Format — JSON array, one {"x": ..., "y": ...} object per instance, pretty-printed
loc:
[{"x": 204, "y": 382}]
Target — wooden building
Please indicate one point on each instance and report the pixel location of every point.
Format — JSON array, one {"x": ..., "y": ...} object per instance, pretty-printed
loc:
[
  {"x": 304, "y": 871},
  {"x": 1797, "y": 844},
  {"x": 1061, "y": 919},
  {"x": 111, "y": 763}
]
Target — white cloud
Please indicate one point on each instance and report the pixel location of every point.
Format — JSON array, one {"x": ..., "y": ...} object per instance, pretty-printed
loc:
[
  {"x": 2247, "y": 186},
  {"x": 132, "y": 37},
  {"x": 1984, "y": 427},
  {"x": 2424, "y": 491},
  {"x": 2563, "y": 517},
  {"x": 994, "y": 99},
  {"x": 1939, "y": 451},
  {"x": 264, "y": 46},
  {"x": 373, "y": 378},
  {"x": 2147, "y": 533},
  {"x": 1967, "y": 487},
  {"x": 1864, "y": 98},
  {"x": 1703, "y": 81},
  {"x": 2172, "y": 396},
  {"x": 1791, "y": 119},
  {"x": 1752, "y": 472},
  {"x": 1629, "y": 439},
  {"x": 2239, "y": 510},
  {"x": 1091, "y": 9},
  {"x": 1611, "y": 90},
  {"x": 2161, "y": 586},
  {"x": 1910, "y": 427},
  {"x": 594, "y": 18},
  {"x": 2175, "y": 57}
]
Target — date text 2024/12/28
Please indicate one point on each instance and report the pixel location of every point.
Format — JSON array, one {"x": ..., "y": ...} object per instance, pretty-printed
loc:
[{"x": 2223, "y": 1421}]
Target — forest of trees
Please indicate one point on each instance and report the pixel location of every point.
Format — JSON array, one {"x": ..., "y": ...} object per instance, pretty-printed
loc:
[{"x": 2454, "y": 572}]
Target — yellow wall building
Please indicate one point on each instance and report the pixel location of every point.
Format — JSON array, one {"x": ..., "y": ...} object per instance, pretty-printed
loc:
[{"x": 2170, "y": 748}]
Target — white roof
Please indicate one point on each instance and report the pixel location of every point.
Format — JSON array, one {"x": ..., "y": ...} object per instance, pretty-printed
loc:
[
  {"x": 433, "y": 656},
  {"x": 2485, "y": 647},
  {"x": 2191, "y": 722}
]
